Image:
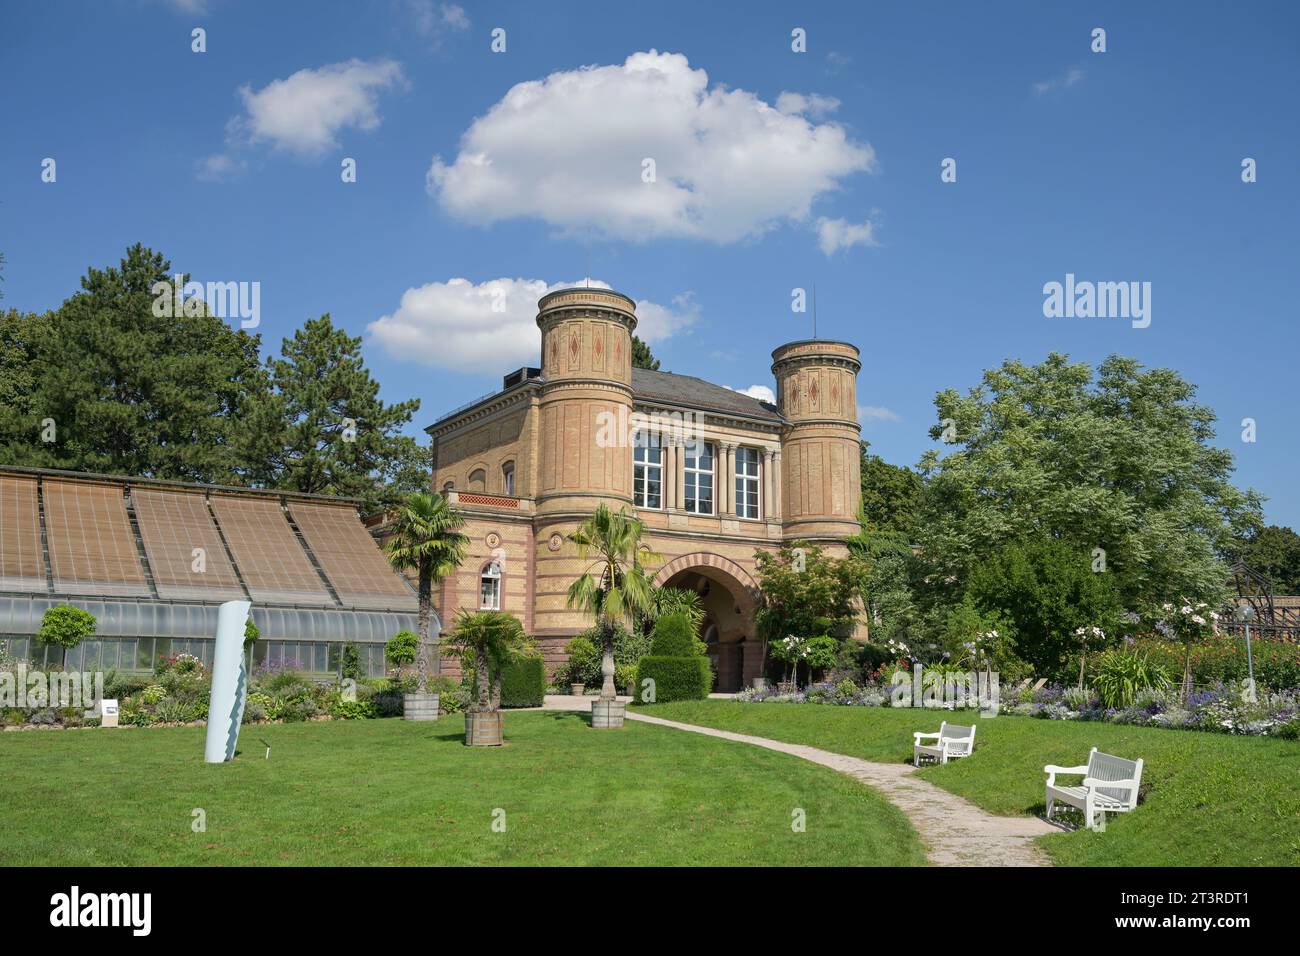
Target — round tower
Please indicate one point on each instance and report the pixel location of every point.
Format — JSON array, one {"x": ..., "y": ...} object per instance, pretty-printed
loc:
[
  {"x": 817, "y": 394},
  {"x": 584, "y": 456},
  {"x": 586, "y": 400}
]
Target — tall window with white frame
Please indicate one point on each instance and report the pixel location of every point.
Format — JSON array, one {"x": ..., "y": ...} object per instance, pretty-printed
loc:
[
  {"x": 508, "y": 478},
  {"x": 647, "y": 470},
  {"x": 490, "y": 588},
  {"x": 747, "y": 482},
  {"x": 698, "y": 458}
]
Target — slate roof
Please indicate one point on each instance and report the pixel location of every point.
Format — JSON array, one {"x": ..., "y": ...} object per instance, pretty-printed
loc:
[{"x": 687, "y": 391}]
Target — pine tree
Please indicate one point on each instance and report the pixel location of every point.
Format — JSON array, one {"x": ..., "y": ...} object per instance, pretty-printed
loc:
[
  {"x": 642, "y": 357},
  {"x": 325, "y": 430}
]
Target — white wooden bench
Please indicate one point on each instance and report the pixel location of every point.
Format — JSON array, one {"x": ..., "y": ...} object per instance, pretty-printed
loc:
[
  {"x": 1110, "y": 785},
  {"x": 952, "y": 741}
]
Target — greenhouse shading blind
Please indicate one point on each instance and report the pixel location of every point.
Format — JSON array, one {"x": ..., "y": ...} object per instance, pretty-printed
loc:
[
  {"x": 92, "y": 547},
  {"x": 22, "y": 566},
  {"x": 174, "y": 525},
  {"x": 271, "y": 560},
  {"x": 345, "y": 551}
]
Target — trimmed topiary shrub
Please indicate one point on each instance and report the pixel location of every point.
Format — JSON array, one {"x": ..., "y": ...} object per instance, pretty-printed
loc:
[
  {"x": 523, "y": 681},
  {"x": 676, "y": 664},
  {"x": 675, "y": 678}
]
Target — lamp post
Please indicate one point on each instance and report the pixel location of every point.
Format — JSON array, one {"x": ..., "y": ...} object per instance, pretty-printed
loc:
[{"x": 1244, "y": 614}]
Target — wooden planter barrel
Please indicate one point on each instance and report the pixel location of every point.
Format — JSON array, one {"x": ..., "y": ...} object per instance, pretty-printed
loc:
[
  {"x": 483, "y": 729},
  {"x": 577, "y": 689},
  {"x": 420, "y": 706},
  {"x": 607, "y": 714}
]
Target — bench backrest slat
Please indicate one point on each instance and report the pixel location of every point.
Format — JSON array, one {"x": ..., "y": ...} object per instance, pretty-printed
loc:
[
  {"x": 956, "y": 734},
  {"x": 1103, "y": 766}
]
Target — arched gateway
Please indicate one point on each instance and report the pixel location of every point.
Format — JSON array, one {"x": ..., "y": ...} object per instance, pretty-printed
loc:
[{"x": 729, "y": 596}]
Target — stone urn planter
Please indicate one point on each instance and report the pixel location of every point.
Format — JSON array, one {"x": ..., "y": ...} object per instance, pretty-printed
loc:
[
  {"x": 483, "y": 728},
  {"x": 786, "y": 687},
  {"x": 420, "y": 706},
  {"x": 760, "y": 683},
  {"x": 577, "y": 689}
]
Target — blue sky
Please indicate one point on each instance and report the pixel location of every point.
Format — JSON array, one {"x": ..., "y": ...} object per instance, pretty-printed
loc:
[{"x": 1115, "y": 166}]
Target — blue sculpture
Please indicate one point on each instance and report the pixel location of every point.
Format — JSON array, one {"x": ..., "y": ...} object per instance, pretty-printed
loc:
[{"x": 229, "y": 683}]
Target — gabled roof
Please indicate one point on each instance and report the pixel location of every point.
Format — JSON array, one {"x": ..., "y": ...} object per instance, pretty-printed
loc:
[{"x": 687, "y": 391}]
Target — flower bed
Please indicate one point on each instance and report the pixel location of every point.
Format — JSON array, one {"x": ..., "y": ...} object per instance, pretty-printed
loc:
[{"x": 1222, "y": 709}]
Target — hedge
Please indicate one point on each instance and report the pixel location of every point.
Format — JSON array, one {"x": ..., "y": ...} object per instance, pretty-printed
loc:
[
  {"x": 675, "y": 678},
  {"x": 523, "y": 682}
]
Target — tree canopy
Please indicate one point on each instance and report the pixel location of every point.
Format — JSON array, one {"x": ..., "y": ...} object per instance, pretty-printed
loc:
[
  {"x": 1116, "y": 464},
  {"x": 1274, "y": 552},
  {"x": 642, "y": 357},
  {"x": 105, "y": 384},
  {"x": 891, "y": 495}
]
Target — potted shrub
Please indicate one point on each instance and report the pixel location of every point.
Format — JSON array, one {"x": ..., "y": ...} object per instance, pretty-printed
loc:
[
  {"x": 402, "y": 651},
  {"x": 582, "y": 654},
  {"x": 489, "y": 640}
]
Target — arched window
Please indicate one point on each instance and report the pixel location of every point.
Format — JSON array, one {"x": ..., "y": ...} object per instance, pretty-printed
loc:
[
  {"x": 508, "y": 478},
  {"x": 477, "y": 480},
  {"x": 490, "y": 588},
  {"x": 448, "y": 487}
]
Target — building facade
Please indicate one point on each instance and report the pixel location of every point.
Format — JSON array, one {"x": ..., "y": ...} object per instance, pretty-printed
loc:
[{"x": 715, "y": 475}]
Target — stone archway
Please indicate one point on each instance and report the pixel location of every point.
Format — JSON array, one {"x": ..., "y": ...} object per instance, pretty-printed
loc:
[{"x": 729, "y": 595}]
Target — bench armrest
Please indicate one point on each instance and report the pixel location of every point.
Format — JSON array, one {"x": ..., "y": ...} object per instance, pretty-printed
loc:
[
  {"x": 917, "y": 736},
  {"x": 1053, "y": 768}
]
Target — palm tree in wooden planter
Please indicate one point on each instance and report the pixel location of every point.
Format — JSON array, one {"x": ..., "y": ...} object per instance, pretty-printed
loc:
[
  {"x": 489, "y": 640},
  {"x": 426, "y": 540},
  {"x": 615, "y": 589}
]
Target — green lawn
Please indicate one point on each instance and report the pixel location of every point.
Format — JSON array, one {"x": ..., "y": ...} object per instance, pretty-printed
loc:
[
  {"x": 1213, "y": 800},
  {"x": 396, "y": 792}
]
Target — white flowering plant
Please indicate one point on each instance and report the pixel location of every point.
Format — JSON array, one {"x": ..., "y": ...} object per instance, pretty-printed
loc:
[{"x": 1187, "y": 622}]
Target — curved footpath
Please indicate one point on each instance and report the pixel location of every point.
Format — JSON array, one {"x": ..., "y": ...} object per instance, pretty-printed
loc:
[{"x": 955, "y": 831}]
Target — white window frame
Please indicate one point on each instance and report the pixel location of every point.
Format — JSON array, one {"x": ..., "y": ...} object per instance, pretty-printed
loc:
[
  {"x": 749, "y": 480},
  {"x": 691, "y": 474},
  {"x": 642, "y": 445},
  {"x": 508, "y": 478},
  {"x": 489, "y": 599}
]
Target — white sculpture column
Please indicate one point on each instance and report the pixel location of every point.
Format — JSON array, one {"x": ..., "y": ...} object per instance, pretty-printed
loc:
[{"x": 229, "y": 683}]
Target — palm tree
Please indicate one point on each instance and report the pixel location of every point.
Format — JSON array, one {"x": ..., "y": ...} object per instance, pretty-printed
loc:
[
  {"x": 426, "y": 541},
  {"x": 492, "y": 638},
  {"x": 615, "y": 588}
]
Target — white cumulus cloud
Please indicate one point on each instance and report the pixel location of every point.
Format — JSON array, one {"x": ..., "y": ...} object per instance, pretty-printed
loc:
[
  {"x": 877, "y": 413},
  {"x": 304, "y": 113},
  {"x": 760, "y": 392},
  {"x": 490, "y": 327},
  {"x": 836, "y": 234},
  {"x": 570, "y": 150}
]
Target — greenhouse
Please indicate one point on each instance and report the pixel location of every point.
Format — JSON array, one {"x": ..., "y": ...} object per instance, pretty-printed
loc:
[{"x": 153, "y": 560}]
